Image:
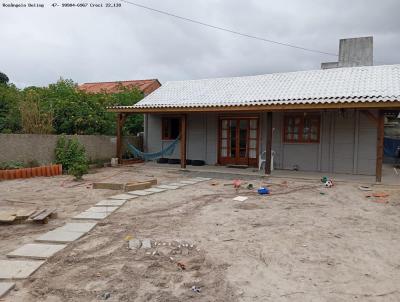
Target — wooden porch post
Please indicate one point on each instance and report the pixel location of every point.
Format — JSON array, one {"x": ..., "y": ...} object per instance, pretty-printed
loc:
[
  {"x": 121, "y": 117},
  {"x": 379, "y": 145},
  {"x": 183, "y": 141},
  {"x": 268, "y": 144}
]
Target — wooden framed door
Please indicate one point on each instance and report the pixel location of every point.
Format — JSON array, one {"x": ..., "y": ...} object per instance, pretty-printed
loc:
[{"x": 238, "y": 141}]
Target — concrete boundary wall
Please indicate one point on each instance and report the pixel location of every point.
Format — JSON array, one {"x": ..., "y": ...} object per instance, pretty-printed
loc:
[{"x": 40, "y": 147}]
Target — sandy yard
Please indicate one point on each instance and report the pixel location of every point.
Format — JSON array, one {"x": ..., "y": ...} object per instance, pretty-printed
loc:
[{"x": 294, "y": 245}]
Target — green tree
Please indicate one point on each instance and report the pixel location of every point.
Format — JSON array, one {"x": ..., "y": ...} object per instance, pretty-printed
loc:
[
  {"x": 3, "y": 78},
  {"x": 10, "y": 118}
]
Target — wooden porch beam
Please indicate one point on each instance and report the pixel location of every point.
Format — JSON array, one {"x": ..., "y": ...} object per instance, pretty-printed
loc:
[
  {"x": 121, "y": 118},
  {"x": 183, "y": 141},
  {"x": 379, "y": 145},
  {"x": 268, "y": 144}
]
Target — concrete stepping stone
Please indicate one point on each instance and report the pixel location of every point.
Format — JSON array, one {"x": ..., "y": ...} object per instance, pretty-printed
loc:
[
  {"x": 178, "y": 184},
  {"x": 155, "y": 190},
  {"x": 18, "y": 269},
  {"x": 140, "y": 192},
  {"x": 80, "y": 227},
  {"x": 60, "y": 236},
  {"x": 91, "y": 215},
  {"x": 36, "y": 251},
  {"x": 203, "y": 178},
  {"x": 122, "y": 196},
  {"x": 102, "y": 209},
  {"x": 5, "y": 287},
  {"x": 168, "y": 187},
  {"x": 189, "y": 182},
  {"x": 111, "y": 202}
]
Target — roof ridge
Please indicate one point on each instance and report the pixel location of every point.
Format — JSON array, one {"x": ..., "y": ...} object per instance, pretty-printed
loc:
[{"x": 287, "y": 72}]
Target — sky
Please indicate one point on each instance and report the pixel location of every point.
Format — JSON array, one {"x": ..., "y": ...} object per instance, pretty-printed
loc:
[{"x": 40, "y": 45}]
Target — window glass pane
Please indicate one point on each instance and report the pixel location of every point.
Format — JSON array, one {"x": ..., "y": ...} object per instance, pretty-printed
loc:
[
  {"x": 224, "y": 134},
  {"x": 224, "y": 152},
  {"x": 224, "y": 143},
  {"x": 253, "y": 134},
  {"x": 252, "y": 153},
  {"x": 253, "y": 124},
  {"x": 253, "y": 143},
  {"x": 232, "y": 124},
  {"x": 175, "y": 123},
  {"x": 224, "y": 124}
]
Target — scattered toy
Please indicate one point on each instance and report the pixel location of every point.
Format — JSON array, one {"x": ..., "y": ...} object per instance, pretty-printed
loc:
[
  {"x": 236, "y": 184},
  {"x": 250, "y": 186},
  {"x": 196, "y": 289},
  {"x": 263, "y": 191}
]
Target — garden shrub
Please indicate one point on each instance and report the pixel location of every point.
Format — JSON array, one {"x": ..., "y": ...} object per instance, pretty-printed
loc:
[{"x": 71, "y": 154}]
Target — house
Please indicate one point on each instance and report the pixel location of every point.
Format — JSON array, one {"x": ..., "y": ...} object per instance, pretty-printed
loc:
[
  {"x": 145, "y": 86},
  {"x": 329, "y": 120}
]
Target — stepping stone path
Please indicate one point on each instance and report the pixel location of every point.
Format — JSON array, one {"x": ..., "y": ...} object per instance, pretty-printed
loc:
[
  {"x": 80, "y": 227},
  {"x": 36, "y": 251},
  {"x": 101, "y": 209},
  {"x": 60, "y": 236},
  {"x": 22, "y": 269},
  {"x": 112, "y": 203},
  {"x": 189, "y": 182},
  {"x": 123, "y": 196},
  {"x": 178, "y": 184},
  {"x": 167, "y": 187},
  {"x": 155, "y": 190},
  {"x": 91, "y": 215},
  {"x": 5, "y": 287},
  {"x": 140, "y": 192},
  {"x": 18, "y": 269}
]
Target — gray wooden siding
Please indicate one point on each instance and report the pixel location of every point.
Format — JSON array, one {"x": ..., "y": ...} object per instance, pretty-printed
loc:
[{"x": 347, "y": 143}]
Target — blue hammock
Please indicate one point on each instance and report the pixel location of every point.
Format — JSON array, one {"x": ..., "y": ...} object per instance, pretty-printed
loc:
[{"x": 149, "y": 156}]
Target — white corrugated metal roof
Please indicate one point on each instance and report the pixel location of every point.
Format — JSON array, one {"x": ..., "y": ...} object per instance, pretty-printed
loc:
[{"x": 354, "y": 84}]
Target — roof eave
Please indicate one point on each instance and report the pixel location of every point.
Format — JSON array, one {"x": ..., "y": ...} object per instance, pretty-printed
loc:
[{"x": 390, "y": 104}]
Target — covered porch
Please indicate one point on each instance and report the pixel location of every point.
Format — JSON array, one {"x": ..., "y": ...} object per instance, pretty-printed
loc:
[{"x": 267, "y": 136}]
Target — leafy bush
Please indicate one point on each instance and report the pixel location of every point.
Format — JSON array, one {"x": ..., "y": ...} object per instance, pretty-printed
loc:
[
  {"x": 11, "y": 165},
  {"x": 77, "y": 170},
  {"x": 71, "y": 154}
]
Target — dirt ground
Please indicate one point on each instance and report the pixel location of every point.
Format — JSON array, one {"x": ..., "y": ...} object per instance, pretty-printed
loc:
[{"x": 303, "y": 242}]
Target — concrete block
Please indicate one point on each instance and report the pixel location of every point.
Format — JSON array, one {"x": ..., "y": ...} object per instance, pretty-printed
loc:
[
  {"x": 138, "y": 186},
  {"x": 122, "y": 196},
  {"x": 203, "y": 178},
  {"x": 108, "y": 186},
  {"x": 189, "y": 182},
  {"x": 177, "y": 184},
  {"x": 60, "y": 236},
  {"x": 111, "y": 202},
  {"x": 146, "y": 244},
  {"x": 18, "y": 269},
  {"x": 102, "y": 209},
  {"x": 91, "y": 215},
  {"x": 168, "y": 187},
  {"x": 155, "y": 190},
  {"x": 5, "y": 287},
  {"x": 80, "y": 227},
  {"x": 36, "y": 251},
  {"x": 140, "y": 192},
  {"x": 134, "y": 244}
]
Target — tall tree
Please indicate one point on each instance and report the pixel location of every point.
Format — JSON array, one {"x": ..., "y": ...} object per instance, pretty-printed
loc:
[{"x": 3, "y": 78}]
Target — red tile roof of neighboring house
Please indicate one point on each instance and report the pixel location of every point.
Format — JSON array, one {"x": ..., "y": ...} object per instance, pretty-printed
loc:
[{"x": 146, "y": 86}]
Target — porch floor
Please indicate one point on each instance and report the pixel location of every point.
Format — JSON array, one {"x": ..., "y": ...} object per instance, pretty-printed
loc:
[{"x": 389, "y": 176}]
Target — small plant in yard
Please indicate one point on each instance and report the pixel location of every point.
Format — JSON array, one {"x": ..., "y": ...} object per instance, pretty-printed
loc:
[
  {"x": 11, "y": 165},
  {"x": 71, "y": 154}
]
